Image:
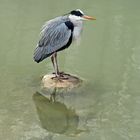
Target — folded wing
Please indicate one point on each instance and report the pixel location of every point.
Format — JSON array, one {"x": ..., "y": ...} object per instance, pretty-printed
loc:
[{"x": 54, "y": 35}]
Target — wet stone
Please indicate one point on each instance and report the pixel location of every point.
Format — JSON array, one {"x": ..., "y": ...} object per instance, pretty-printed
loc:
[{"x": 68, "y": 81}]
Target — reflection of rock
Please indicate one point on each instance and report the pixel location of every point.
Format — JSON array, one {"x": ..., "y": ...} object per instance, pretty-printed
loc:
[
  {"x": 69, "y": 81},
  {"x": 55, "y": 116}
]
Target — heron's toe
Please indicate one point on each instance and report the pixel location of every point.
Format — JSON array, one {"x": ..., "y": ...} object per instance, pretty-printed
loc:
[{"x": 57, "y": 78}]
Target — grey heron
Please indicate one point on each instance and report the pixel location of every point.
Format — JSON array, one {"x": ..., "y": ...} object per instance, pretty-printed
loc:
[{"x": 57, "y": 34}]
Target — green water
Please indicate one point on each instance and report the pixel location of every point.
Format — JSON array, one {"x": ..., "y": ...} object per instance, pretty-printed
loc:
[{"x": 107, "y": 107}]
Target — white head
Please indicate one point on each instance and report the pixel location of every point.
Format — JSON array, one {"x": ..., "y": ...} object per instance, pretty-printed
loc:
[{"x": 78, "y": 15}]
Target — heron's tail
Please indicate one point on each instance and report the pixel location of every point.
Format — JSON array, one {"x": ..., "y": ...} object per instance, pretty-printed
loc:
[{"x": 40, "y": 54}]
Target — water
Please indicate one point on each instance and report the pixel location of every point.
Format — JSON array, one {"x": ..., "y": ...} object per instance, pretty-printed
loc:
[{"x": 106, "y": 107}]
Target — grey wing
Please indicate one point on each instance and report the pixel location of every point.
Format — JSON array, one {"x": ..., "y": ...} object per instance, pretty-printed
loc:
[{"x": 53, "y": 38}]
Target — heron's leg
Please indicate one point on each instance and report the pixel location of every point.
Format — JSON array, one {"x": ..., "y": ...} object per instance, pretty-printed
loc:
[
  {"x": 59, "y": 75},
  {"x": 54, "y": 64},
  {"x": 52, "y": 58}
]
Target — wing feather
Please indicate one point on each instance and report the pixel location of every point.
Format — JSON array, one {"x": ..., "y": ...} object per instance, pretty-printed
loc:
[{"x": 54, "y": 35}]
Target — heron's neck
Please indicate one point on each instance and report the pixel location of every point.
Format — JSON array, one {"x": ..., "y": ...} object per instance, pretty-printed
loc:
[
  {"x": 78, "y": 23},
  {"x": 78, "y": 27}
]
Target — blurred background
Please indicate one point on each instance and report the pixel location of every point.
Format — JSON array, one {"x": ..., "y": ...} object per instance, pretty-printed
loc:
[{"x": 107, "y": 107}]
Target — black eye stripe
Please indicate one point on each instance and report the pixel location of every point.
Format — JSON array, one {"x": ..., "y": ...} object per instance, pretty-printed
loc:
[{"x": 76, "y": 13}]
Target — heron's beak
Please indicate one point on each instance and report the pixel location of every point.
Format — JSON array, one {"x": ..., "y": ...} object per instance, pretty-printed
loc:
[{"x": 89, "y": 18}]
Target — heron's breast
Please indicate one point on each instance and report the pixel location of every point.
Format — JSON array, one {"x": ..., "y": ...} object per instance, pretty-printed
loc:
[{"x": 77, "y": 31}]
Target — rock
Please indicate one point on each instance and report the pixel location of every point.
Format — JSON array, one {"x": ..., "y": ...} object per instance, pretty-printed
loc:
[{"x": 68, "y": 81}]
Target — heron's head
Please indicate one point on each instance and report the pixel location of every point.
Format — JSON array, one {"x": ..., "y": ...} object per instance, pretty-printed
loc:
[{"x": 78, "y": 15}]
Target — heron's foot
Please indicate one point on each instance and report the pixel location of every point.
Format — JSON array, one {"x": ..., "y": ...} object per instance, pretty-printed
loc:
[
  {"x": 63, "y": 77},
  {"x": 62, "y": 74},
  {"x": 57, "y": 78}
]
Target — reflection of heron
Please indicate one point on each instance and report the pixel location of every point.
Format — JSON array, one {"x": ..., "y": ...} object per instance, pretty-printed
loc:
[
  {"x": 57, "y": 34},
  {"x": 55, "y": 116}
]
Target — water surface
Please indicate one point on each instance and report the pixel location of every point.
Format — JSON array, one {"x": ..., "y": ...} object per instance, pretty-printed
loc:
[{"x": 107, "y": 107}]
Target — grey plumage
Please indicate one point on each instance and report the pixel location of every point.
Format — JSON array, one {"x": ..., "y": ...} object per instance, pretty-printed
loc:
[
  {"x": 54, "y": 35},
  {"x": 57, "y": 34}
]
